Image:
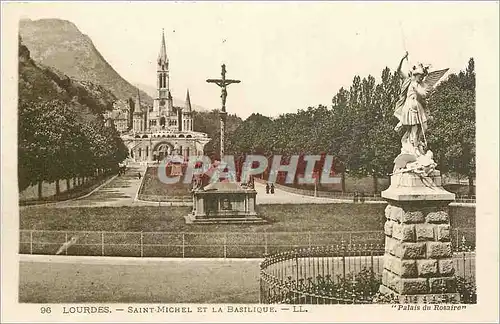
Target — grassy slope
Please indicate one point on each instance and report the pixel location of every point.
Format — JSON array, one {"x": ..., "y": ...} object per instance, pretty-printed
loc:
[
  {"x": 153, "y": 185},
  {"x": 290, "y": 226},
  {"x": 300, "y": 218}
]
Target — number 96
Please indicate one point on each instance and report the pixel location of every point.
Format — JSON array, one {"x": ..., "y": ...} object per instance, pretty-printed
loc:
[{"x": 45, "y": 310}]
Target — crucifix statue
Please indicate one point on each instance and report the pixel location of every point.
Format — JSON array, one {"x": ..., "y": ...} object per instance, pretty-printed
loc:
[{"x": 223, "y": 83}]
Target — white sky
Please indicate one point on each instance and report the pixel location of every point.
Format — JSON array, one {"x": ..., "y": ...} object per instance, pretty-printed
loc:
[{"x": 288, "y": 55}]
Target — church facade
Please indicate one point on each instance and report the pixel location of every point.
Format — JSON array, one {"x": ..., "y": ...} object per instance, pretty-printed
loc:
[{"x": 153, "y": 133}]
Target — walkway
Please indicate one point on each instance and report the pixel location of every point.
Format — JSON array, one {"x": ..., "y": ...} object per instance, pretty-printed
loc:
[
  {"x": 122, "y": 191},
  {"x": 284, "y": 197},
  {"x": 118, "y": 191}
]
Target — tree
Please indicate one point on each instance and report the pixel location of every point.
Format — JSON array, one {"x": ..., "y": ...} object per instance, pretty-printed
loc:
[
  {"x": 46, "y": 133},
  {"x": 364, "y": 133},
  {"x": 209, "y": 123},
  {"x": 452, "y": 129},
  {"x": 383, "y": 142}
]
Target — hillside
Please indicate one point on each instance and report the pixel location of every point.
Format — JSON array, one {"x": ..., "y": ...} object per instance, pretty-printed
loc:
[
  {"x": 61, "y": 130},
  {"x": 58, "y": 43},
  {"x": 39, "y": 83}
]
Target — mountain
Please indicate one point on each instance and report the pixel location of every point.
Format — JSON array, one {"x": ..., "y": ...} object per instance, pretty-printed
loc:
[
  {"x": 61, "y": 130},
  {"x": 150, "y": 90},
  {"x": 42, "y": 83},
  {"x": 58, "y": 43}
]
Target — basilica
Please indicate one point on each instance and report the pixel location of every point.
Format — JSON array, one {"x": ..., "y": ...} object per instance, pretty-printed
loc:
[{"x": 153, "y": 133}]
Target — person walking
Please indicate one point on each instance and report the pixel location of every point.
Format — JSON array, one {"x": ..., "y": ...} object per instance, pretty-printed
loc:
[
  {"x": 272, "y": 188},
  {"x": 267, "y": 188}
]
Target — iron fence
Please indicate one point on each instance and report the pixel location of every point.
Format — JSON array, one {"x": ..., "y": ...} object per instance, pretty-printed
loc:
[
  {"x": 200, "y": 244},
  {"x": 345, "y": 274},
  {"x": 321, "y": 275}
]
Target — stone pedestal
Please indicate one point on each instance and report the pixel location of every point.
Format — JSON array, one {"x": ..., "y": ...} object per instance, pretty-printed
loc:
[
  {"x": 418, "y": 264},
  {"x": 224, "y": 203}
]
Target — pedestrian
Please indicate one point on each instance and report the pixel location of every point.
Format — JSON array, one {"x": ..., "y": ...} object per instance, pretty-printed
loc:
[
  {"x": 272, "y": 188},
  {"x": 139, "y": 175},
  {"x": 267, "y": 188}
]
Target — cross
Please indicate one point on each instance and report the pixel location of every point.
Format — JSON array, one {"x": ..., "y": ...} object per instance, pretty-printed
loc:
[{"x": 223, "y": 82}]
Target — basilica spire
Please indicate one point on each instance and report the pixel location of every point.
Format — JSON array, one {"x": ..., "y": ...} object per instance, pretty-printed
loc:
[
  {"x": 162, "y": 56},
  {"x": 162, "y": 73},
  {"x": 188, "y": 102}
]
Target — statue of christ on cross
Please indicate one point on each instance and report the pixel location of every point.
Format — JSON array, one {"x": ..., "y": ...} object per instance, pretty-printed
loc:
[{"x": 223, "y": 82}]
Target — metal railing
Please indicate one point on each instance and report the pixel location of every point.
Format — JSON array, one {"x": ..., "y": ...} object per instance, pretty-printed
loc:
[
  {"x": 343, "y": 274},
  {"x": 200, "y": 244},
  {"x": 321, "y": 275}
]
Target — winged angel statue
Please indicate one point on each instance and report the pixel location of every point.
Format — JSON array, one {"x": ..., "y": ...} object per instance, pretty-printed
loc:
[{"x": 418, "y": 83}]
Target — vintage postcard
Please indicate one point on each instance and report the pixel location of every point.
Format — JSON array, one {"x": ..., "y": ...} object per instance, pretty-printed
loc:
[{"x": 250, "y": 162}]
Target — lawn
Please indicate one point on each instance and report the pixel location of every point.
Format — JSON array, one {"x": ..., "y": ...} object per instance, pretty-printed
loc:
[
  {"x": 166, "y": 281},
  {"x": 152, "y": 186},
  {"x": 165, "y": 234},
  {"x": 293, "y": 218}
]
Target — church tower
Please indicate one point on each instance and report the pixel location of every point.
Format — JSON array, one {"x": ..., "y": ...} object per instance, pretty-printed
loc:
[{"x": 163, "y": 77}]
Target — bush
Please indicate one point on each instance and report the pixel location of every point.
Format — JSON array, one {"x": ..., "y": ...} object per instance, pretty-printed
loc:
[{"x": 466, "y": 287}]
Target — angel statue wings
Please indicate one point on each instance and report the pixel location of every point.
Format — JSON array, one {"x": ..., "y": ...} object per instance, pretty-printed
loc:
[{"x": 418, "y": 83}]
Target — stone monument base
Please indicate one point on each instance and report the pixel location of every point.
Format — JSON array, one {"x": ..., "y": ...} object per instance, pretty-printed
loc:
[
  {"x": 193, "y": 219},
  {"x": 224, "y": 203},
  {"x": 409, "y": 187},
  {"x": 418, "y": 260}
]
